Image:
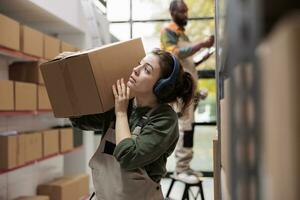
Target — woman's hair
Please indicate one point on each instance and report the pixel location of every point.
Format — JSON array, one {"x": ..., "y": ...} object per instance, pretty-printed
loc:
[{"x": 184, "y": 87}]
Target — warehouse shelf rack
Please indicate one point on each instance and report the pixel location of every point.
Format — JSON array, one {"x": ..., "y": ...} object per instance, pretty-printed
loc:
[
  {"x": 247, "y": 24},
  {"x": 20, "y": 113},
  {"x": 40, "y": 160},
  {"x": 18, "y": 55}
]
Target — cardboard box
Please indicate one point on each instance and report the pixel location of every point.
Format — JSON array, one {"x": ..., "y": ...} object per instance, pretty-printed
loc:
[
  {"x": 25, "y": 96},
  {"x": 51, "y": 47},
  {"x": 81, "y": 84},
  {"x": 50, "y": 142},
  {"x": 6, "y": 95},
  {"x": 33, "y": 146},
  {"x": 26, "y": 72},
  {"x": 279, "y": 64},
  {"x": 21, "y": 149},
  {"x": 66, "y": 47},
  {"x": 32, "y": 41},
  {"x": 65, "y": 139},
  {"x": 40, "y": 197},
  {"x": 10, "y": 33},
  {"x": 8, "y": 152},
  {"x": 66, "y": 188},
  {"x": 43, "y": 99}
]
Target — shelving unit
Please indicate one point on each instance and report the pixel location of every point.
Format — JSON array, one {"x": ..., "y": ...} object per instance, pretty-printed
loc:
[
  {"x": 246, "y": 24},
  {"x": 23, "y": 180},
  {"x": 22, "y": 113},
  {"x": 40, "y": 160},
  {"x": 18, "y": 55}
]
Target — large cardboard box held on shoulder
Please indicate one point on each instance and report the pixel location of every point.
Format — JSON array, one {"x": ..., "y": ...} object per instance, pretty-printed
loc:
[{"x": 81, "y": 84}]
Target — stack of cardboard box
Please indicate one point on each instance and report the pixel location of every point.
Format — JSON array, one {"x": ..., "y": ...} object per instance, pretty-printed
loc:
[
  {"x": 29, "y": 91},
  {"x": 19, "y": 149},
  {"x": 20, "y": 37}
]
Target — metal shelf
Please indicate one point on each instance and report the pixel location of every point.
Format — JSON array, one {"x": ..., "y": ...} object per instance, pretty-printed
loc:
[
  {"x": 18, "y": 55},
  {"x": 21, "y": 113},
  {"x": 3, "y": 171}
]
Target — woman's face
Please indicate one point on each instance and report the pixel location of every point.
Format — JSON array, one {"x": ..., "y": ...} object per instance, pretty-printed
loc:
[{"x": 145, "y": 75}]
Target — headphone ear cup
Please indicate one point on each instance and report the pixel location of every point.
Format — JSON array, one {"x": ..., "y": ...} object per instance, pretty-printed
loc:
[{"x": 163, "y": 89}]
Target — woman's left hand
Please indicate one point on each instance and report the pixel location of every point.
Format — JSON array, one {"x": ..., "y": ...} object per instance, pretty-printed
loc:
[{"x": 121, "y": 93}]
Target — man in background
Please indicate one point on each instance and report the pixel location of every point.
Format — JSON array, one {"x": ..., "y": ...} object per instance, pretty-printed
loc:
[{"x": 174, "y": 39}]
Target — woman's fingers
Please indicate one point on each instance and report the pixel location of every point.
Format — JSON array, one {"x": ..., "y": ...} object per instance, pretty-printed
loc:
[
  {"x": 123, "y": 88},
  {"x": 127, "y": 92},
  {"x": 115, "y": 91},
  {"x": 120, "y": 89}
]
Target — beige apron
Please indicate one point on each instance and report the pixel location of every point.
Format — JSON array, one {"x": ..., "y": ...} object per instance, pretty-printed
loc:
[
  {"x": 187, "y": 119},
  {"x": 111, "y": 182}
]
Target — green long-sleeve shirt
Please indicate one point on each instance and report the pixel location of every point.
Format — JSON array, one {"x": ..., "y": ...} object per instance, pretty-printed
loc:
[{"x": 150, "y": 148}]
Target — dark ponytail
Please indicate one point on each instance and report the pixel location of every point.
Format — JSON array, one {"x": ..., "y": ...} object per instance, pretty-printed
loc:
[{"x": 184, "y": 88}]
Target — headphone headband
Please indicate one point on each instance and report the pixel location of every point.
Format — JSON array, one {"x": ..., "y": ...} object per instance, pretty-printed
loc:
[{"x": 163, "y": 83}]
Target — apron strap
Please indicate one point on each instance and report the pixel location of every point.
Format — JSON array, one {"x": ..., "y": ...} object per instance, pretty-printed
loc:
[{"x": 91, "y": 197}]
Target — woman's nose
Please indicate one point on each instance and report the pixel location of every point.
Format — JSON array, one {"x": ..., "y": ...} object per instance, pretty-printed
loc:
[{"x": 136, "y": 70}]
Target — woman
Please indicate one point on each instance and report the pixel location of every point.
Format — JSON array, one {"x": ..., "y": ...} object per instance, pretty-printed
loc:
[{"x": 139, "y": 134}]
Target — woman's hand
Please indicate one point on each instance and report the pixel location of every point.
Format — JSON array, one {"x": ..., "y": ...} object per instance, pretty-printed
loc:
[{"x": 121, "y": 93}]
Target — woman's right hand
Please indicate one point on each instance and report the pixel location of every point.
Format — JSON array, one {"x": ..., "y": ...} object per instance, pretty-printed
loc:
[{"x": 122, "y": 94}]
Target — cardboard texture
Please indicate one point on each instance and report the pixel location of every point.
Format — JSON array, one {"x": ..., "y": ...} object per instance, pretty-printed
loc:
[
  {"x": 66, "y": 47},
  {"x": 33, "y": 146},
  {"x": 32, "y": 41},
  {"x": 81, "y": 84},
  {"x": 40, "y": 197},
  {"x": 65, "y": 139},
  {"x": 21, "y": 149},
  {"x": 51, "y": 47},
  {"x": 25, "y": 96},
  {"x": 8, "y": 152},
  {"x": 66, "y": 188},
  {"x": 6, "y": 95},
  {"x": 10, "y": 33},
  {"x": 43, "y": 99},
  {"x": 26, "y": 72},
  {"x": 280, "y": 61},
  {"x": 50, "y": 142}
]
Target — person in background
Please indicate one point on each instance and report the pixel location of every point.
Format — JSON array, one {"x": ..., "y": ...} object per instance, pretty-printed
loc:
[
  {"x": 140, "y": 134},
  {"x": 174, "y": 39}
]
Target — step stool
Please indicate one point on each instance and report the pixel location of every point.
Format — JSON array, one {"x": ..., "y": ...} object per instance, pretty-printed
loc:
[{"x": 187, "y": 190}]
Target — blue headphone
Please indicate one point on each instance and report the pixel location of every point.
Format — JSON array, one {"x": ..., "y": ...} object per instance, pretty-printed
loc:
[{"x": 162, "y": 86}]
